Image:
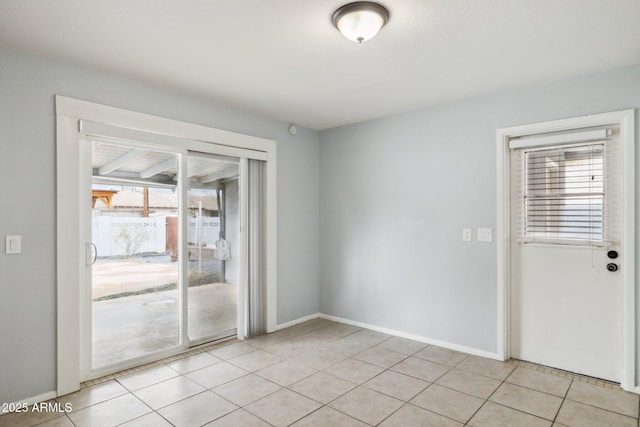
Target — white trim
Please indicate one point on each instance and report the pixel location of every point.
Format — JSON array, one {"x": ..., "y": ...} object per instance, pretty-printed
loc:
[
  {"x": 98, "y": 113},
  {"x": 419, "y": 338},
  {"x": 117, "y": 132},
  {"x": 270, "y": 200},
  {"x": 68, "y": 198},
  {"x": 68, "y": 253},
  {"x": 567, "y": 243},
  {"x": 84, "y": 224},
  {"x": 183, "y": 233},
  {"x": 243, "y": 188},
  {"x": 157, "y": 356},
  {"x": 565, "y": 124},
  {"x": 565, "y": 138},
  {"x": 32, "y": 400},
  {"x": 627, "y": 134},
  {"x": 626, "y": 119},
  {"x": 503, "y": 247},
  {"x": 135, "y": 362},
  {"x": 297, "y": 321}
]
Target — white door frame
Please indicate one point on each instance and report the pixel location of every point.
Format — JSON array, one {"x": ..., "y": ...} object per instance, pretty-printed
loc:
[
  {"x": 87, "y": 134},
  {"x": 70, "y": 252},
  {"x": 626, "y": 120}
]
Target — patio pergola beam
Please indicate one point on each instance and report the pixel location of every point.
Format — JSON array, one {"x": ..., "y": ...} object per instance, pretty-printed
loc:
[
  {"x": 160, "y": 167},
  {"x": 122, "y": 160},
  {"x": 133, "y": 178},
  {"x": 204, "y": 170},
  {"x": 224, "y": 173}
]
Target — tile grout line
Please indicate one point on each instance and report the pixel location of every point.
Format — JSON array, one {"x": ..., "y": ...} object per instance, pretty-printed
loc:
[
  {"x": 564, "y": 399},
  {"x": 322, "y": 405},
  {"x": 385, "y": 370},
  {"x": 564, "y": 374},
  {"x": 265, "y": 347},
  {"x": 431, "y": 383},
  {"x": 487, "y": 399},
  {"x": 204, "y": 348},
  {"x": 571, "y": 377}
]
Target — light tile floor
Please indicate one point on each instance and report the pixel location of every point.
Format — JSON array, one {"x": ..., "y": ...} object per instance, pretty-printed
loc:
[{"x": 322, "y": 373}]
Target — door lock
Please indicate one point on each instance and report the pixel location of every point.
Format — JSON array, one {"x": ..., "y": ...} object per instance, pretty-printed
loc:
[
  {"x": 612, "y": 254},
  {"x": 612, "y": 267}
]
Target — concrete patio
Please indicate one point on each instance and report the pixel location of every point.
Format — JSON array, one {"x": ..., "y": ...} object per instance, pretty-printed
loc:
[{"x": 132, "y": 326}]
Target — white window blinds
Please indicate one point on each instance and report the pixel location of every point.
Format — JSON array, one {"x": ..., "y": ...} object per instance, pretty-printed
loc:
[
  {"x": 562, "y": 193},
  {"x": 255, "y": 260}
]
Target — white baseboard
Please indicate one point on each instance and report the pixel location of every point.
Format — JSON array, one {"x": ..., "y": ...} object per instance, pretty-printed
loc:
[
  {"x": 52, "y": 394},
  {"x": 296, "y": 321},
  {"x": 426, "y": 340},
  {"x": 31, "y": 400}
]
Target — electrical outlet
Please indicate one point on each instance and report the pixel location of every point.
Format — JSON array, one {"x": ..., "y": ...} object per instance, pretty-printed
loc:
[
  {"x": 484, "y": 235},
  {"x": 466, "y": 234}
]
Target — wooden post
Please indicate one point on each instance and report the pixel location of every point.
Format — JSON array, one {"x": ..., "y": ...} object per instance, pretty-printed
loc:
[
  {"x": 172, "y": 237},
  {"x": 145, "y": 203}
]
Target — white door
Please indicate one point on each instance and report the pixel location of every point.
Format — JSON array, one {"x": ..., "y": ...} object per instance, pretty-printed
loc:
[{"x": 566, "y": 223}]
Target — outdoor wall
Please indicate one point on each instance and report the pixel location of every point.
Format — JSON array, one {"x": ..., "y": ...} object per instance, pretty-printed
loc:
[
  {"x": 397, "y": 192},
  {"x": 28, "y": 205}
]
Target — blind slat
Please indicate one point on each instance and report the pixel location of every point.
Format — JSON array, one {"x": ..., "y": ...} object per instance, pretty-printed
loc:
[{"x": 562, "y": 193}]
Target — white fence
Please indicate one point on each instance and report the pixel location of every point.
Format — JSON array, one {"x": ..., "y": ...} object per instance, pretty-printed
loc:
[
  {"x": 126, "y": 236},
  {"x": 210, "y": 230}
]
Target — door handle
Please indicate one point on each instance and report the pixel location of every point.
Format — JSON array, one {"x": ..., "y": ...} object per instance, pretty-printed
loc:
[
  {"x": 612, "y": 267},
  {"x": 91, "y": 253}
]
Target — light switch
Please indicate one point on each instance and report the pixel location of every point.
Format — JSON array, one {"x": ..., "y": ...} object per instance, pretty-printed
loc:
[
  {"x": 484, "y": 235},
  {"x": 13, "y": 245},
  {"x": 466, "y": 234}
]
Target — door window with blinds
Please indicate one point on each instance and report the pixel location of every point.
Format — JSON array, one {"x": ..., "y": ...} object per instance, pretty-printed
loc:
[{"x": 563, "y": 188}]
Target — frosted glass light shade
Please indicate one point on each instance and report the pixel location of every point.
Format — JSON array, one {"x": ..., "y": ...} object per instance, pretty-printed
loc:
[{"x": 361, "y": 20}]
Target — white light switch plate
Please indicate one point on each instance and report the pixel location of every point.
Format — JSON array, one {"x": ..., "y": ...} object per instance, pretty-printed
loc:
[
  {"x": 13, "y": 245},
  {"x": 484, "y": 235},
  {"x": 466, "y": 234}
]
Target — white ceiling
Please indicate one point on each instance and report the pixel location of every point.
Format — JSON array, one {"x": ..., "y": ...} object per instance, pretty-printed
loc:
[{"x": 284, "y": 59}]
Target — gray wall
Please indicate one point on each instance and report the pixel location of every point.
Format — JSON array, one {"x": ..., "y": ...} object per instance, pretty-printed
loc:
[
  {"x": 397, "y": 192},
  {"x": 27, "y": 200}
]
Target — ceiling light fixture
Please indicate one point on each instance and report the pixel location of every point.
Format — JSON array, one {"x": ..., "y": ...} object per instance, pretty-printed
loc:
[{"x": 361, "y": 20}]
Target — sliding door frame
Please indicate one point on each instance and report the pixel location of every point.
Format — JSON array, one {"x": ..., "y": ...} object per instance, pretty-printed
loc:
[
  {"x": 87, "y": 137},
  {"x": 74, "y": 119}
]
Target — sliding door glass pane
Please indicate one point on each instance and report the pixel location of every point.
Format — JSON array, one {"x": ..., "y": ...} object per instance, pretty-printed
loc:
[
  {"x": 135, "y": 236},
  {"x": 213, "y": 242}
]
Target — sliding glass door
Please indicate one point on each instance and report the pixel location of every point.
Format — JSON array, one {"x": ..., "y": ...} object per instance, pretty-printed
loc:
[
  {"x": 134, "y": 276},
  {"x": 163, "y": 252},
  {"x": 213, "y": 246}
]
